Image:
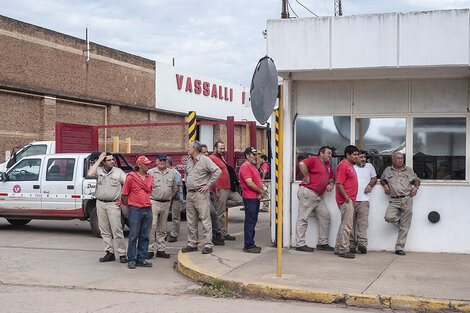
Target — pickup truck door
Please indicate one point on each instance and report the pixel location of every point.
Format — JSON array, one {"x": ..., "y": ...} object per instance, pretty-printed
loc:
[
  {"x": 20, "y": 194},
  {"x": 58, "y": 187}
]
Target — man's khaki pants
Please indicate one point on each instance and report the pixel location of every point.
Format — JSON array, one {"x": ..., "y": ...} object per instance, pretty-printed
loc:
[
  {"x": 158, "y": 231},
  {"x": 109, "y": 223},
  {"x": 399, "y": 213},
  {"x": 310, "y": 202},
  {"x": 361, "y": 223},
  {"x": 345, "y": 228},
  {"x": 226, "y": 196},
  {"x": 176, "y": 206},
  {"x": 198, "y": 207}
]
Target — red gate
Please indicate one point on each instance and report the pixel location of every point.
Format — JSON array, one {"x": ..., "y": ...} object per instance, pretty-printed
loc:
[{"x": 72, "y": 138}]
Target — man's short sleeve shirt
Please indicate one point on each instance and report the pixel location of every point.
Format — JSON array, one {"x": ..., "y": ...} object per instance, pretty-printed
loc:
[
  {"x": 346, "y": 175},
  {"x": 319, "y": 173},
  {"x": 364, "y": 175},
  {"x": 400, "y": 183},
  {"x": 249, "y": 171}
]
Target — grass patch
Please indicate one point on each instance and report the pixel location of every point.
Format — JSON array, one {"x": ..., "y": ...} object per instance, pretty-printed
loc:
[{"x": 217, "y": 290}]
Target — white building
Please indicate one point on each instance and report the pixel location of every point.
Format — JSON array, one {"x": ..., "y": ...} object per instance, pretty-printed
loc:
[{"x": 383, "y": 82}]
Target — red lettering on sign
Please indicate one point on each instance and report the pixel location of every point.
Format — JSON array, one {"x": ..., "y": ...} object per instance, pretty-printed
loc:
[
  {"x": 206, "y": 86},
  {"x": 179, "y": 81},
  {"x": 189, "y": 85},
  {"x": 231, "y": 94},
  {"x": 214, "y": 91},
  {"x": 221, "y": 96},
  {"x": 226, "y": 93},
  {"x": 197, "y": 86},
  {"x": 243, "y": 97}
]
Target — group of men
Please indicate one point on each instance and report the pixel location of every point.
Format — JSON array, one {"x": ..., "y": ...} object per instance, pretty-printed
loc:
[
  {"x": 354, "y": 181},
  {"x": 148, "y": 196}
]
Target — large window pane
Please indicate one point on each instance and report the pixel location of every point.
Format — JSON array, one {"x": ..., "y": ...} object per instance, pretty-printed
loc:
[
  {"x": 381, "y": 137},
  {"x": 439, "y": 148},
  {"x": 314, "y": 132},
  {"x": 25, "y": 170}
]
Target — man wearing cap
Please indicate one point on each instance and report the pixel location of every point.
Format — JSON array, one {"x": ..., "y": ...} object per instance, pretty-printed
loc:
[
  {"x": 318, "y": 178},
  {"x": 402, "y": 184},
  {"x": 176, "y": 202},
  {"x": 253, "y": 192},
  {"x": 200, "y": 174},
  {"x": 163, "y": 189},
  {"x": 136, "y": 196},
  {"x": 223, "y": 191},
  {"x": 108, "y": 193}
]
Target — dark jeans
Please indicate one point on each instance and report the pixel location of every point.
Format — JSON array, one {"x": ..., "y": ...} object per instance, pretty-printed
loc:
[
  {"x": 140, "y": 223},
  {"x": 251, "y": 218}
]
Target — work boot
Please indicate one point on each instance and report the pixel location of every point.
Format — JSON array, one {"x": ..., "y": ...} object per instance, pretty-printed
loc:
[
  {"x": 400, "y": 252},
  {"x": 352, "y": 249},
  {"x": 325, "y": 247},
  {"x": 207, "y": 250},
  {"x": 131, "y": 265},
  {"x": 188, "y": 249},
  {"x": 123, "y": 259},
  {"x": 231, "y": 238},
  {"x": 362, "y": 249},
  {"x": 304, "y": 249},
  {"x": 162, "y": 254},
  {"x": 254, "y": 249},
  {"x": 150, "y": 255},
  {"x": 347, "y": 255},
  {"x": 172, "y": 239},
  {"x": 108, "y": 257},
  {"x": 144, "y": 264}
]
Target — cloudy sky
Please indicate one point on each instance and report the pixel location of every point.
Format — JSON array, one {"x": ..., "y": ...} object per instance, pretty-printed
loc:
[{"x": 218, "y": 38}]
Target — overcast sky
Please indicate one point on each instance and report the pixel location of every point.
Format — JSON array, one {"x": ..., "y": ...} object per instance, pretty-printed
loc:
[{"x": 218, "y": 38}]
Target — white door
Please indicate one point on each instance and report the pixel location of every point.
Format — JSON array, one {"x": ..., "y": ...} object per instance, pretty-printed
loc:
[
  {"x": 20, "y": 194},
  {"x": 58, "y": 187}
]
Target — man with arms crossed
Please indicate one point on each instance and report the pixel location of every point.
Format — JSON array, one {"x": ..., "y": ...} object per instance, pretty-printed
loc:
[
  {"x": 367, "y": 178},
  {"x": 109, "y": 181},
  {"x": 402, "y": 184},
  {"x": 318, "y": 178},
  {"x": 346, "y": 192}
]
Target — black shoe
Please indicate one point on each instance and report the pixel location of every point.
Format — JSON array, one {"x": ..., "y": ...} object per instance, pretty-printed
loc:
[
  {"x": 336, "y": 252},
  {"x": 162, "y": 254},
  {"x": 347, "y": 255},
  {"x": 400, "y": 252},
  {"x": 231, "y": 238},
  {"x": 207, "y": 250},
  {"x": 304, "y": 249},
  {"x": 325, "y": 247},
  {"x": 254, "y": 249},
  {"x": 144, "y": 264},
  {"x": 172, "y": 239},
  {"x": 108, "y": 257},
  {"x": 352, "y": 250},
  {"x": 218, "y": 242},
  {"x": 131, "y": 265},
  {"x": 188, "y": 249},
  {"x": 362, "y": 249},
  {"x": 150, "y": 255},
  {"x": 123, "y": 259}
]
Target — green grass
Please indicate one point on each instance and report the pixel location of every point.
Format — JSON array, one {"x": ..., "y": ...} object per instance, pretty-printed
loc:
[{"x": 216, "y": 290}]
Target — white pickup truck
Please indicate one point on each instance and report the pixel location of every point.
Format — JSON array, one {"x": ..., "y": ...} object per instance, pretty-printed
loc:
[
  {"x": 33, "y": 148},
  {"x": 51, "y": 186}
]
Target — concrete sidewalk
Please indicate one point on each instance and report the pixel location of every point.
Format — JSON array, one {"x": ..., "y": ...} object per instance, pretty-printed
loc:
[{"x": 424, "y": 281}]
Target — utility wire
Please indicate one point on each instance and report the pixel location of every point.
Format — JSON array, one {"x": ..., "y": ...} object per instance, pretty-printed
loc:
[
  {"x": 288, "y": 3},
  {"x": 306, "y": 8}
]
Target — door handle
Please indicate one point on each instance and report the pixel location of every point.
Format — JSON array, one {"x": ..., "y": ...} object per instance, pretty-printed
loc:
[
  {"x": 35, "y": 186},
  {"x": 70, "y": 187}
]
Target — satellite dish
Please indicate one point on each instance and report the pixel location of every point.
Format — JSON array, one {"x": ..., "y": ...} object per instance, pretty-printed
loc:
[{"x": 264, "y": 89}]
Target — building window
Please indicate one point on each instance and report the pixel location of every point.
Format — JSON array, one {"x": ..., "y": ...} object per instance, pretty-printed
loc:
[
  {"x": 439, "y": 148},
  {"x": 381, "y": 137},
  {"x": 315, "y": 132}
]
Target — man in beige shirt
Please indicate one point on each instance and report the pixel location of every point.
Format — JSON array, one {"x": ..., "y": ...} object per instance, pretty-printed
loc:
[
  {"x": 200, "y": 173},
  {"x": 110, "y": 180},
  {"x": 163, "y": 189},
  {"x": 402, "y": 184}
]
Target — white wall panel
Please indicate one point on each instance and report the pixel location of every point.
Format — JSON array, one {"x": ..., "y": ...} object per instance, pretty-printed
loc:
[
  {"x": 323, "y": 98},
  {"x": 381, "y": 96},
  {"x": 439, "y": 96}
]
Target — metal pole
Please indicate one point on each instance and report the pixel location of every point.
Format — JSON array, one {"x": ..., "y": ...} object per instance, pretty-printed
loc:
[
  {"x": 192, "y": 126},
  {"x": 278, "y": 162},
  {"x": 284, "y": 12}
]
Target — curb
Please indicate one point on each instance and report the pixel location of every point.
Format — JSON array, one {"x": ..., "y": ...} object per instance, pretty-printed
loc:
[{"x": 194, "y": 272}]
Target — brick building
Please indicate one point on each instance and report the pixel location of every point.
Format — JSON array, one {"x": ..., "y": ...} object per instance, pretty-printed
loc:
[{"x": 45, "y": 78}]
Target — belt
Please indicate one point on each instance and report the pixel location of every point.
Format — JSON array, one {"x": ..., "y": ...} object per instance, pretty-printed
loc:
[
  {"x": 398, "y": 197},
  {"x": 107, "y": 201},
  {"x": 161, "y": 200},
  {"x": 192, "y": 190}
]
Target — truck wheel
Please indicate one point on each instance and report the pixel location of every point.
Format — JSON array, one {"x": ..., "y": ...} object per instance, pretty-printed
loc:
[
  {"x": 94, "y": 223},
  {"x": 16, "y": 222}
]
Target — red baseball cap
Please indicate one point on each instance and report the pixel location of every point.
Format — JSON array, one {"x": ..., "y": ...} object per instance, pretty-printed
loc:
[{"x": 143, "y": 160}]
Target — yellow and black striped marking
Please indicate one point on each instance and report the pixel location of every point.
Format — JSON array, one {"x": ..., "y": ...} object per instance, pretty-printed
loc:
[{"x": 192, "y": 125}]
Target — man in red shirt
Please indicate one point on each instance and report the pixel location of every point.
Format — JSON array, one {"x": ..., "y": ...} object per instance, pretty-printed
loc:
[
  {"x": 253, "y": 192},
  {"x": 318, "y": 178},
  {"x": 346, "y": 192},
  {"x": 136, "y": 196},
  {"x": 223, "y": 191}
]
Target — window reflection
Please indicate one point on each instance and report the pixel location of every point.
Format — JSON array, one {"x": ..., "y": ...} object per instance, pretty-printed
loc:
[{"x": 439, "y": 146}]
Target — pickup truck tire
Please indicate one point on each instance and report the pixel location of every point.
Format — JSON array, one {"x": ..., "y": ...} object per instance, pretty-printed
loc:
[
  {"x": 94, "y": 223},
  {"x": 15, "y": 222}
]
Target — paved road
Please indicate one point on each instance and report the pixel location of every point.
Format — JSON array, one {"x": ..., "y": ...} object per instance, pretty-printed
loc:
[{"x": 52, "y": 266}]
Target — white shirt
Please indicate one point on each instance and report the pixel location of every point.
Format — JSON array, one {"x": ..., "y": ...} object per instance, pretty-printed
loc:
[{"x": 364, "y": 174}]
